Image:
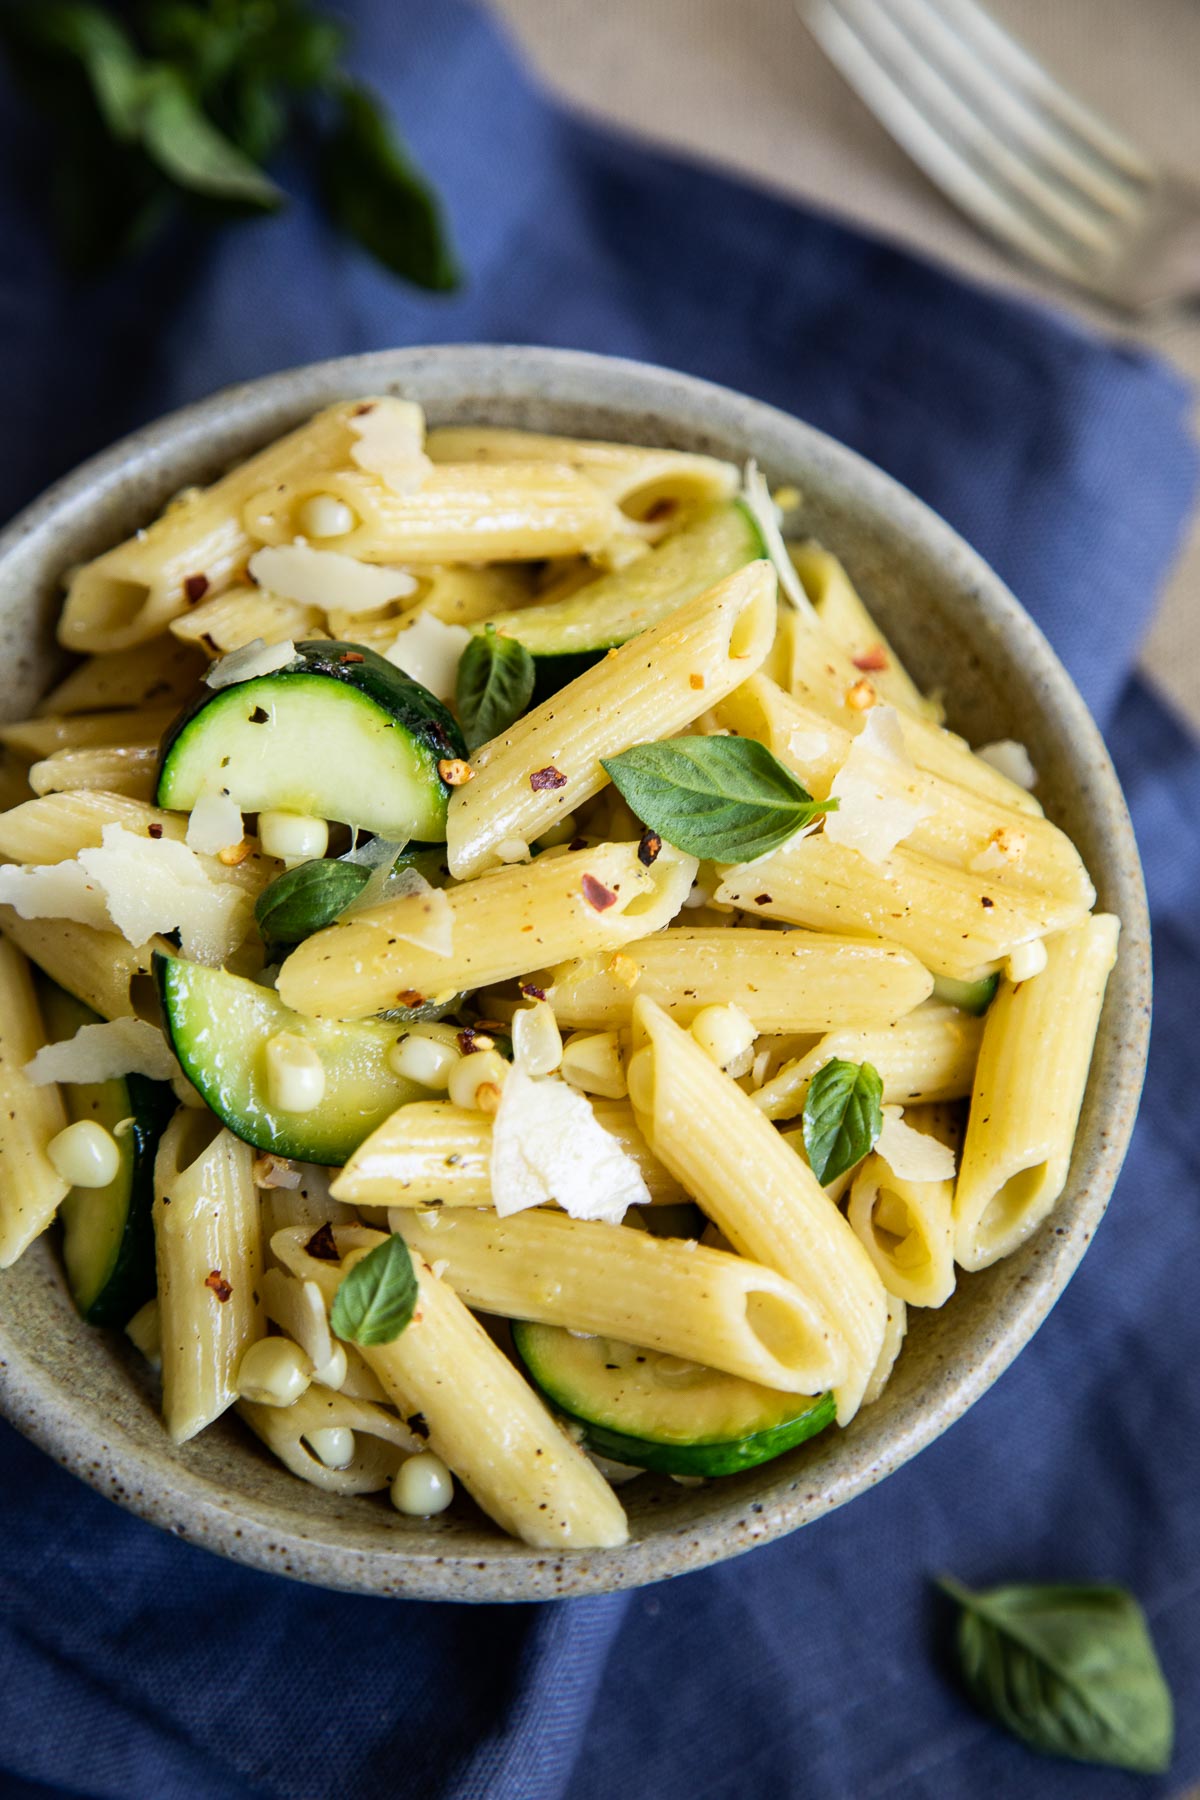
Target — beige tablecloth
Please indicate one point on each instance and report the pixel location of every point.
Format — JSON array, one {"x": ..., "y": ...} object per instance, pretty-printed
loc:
[{"x": 742, "y": 83}]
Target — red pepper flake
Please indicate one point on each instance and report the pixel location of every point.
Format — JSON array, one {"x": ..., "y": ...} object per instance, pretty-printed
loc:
[
  {"x": 364, "y": 407},
  {"x": 195, "y": 587},
  {"x": 530, "y": 992},
  {"x": 598, "y": 897},
  {"x": 351, "y": 656},
  {"x": 549, "y": 777},
  {"x": 410, "y": 997},
  {"x": 984, "y": 901},
  {"x": 762, "y": 899},
  {"x": 873, "y": 660},
  {"x": 455, "y": 772},
  {"x": 154, "y": 831},
  {"x": 220, "y": 1287},
  {"x": 577, "y": 843},
  {"x": 696, "y": 681},
  {"x": 471, "y": 1038},
  {"x": 322, "y": 1244},
  {"x": 649, "y": 848}
]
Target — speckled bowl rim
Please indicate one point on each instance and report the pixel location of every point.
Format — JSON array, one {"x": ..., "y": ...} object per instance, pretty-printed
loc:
[{"x": 712, "y": 1524}]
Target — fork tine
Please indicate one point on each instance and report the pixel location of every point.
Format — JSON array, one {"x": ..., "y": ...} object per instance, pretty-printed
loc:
[
  {"x": 950, "y": 143},
  {"x": 1005, "y": 55},
  {"x": 1015, "y": 110}
]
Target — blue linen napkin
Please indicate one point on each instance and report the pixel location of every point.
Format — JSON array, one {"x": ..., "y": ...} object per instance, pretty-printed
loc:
[{"x": 133, "y": 1664}]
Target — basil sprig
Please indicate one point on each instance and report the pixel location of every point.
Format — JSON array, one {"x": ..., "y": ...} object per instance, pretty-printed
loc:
[
  {"x": 376, "y": 1300},
  {"x": 727, "y": 799},
  {"x": 306, "y": 899},
  {"x": 495, "y": 685},
  {"x": 843, "y": 1116},
  {"x": 157, "y": 106},
  {"x": 1071, "y": 1670}
]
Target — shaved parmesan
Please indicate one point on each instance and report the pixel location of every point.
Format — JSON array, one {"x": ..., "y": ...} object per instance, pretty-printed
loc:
[
  {"x": 154, "y": 885},
  {"x": 391, "y": 444},
  {"x": 249, "y": 662},
  {"x": 54, "y": 891},
  {"x": 876, "y": 789},
  {"x": 430, "y": 650},
  {"x": 1011, "y": 759},
  {"x": 912, "y": 1155},
  {"x": 547, "y": 1144},
  {"x": 756, "y": 497},
  {"x": 105, "y": 1052},
  {"x": 419, "y": 914},
  {"x": 215, "y": 824},
  {"x": 808, "y": 746},
  {"x": 328, "y": 579},
  {"x": 379, "y": 855}
]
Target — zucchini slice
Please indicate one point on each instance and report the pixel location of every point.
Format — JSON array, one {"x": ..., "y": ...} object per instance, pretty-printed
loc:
[
  {"x": 338, "y": 733},
  {"x": 969, "y": 996},
  {"x": 639, "y": 1407},
  {"x": 108, "y": 1238},
  {"x": 567, "y": 636},
  {"x": 219, "y": 1026}
]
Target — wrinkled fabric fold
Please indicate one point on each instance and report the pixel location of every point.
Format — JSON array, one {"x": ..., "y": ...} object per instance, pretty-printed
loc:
[{"x": 134, "y": 1663}]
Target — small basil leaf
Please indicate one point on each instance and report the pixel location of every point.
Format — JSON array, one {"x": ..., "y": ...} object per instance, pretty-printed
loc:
[
  {"x": 1071, "y": 1670},
  {"x": 495, "y": 685},
  {"x": 843, "y": 1116},
  {"x": 187, "y": 146},
  {"x": 306, "y": 899},
  {"x": 375, "y": 1301},
  {"x": 727, "y": 799},
  {"x": 376, "y": 192}
]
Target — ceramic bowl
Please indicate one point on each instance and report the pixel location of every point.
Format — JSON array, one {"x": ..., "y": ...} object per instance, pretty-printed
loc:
[{"x": 84, "y": 1396}]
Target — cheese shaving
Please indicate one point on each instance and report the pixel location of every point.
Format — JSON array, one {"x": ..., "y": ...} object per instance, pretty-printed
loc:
[
  {"x": 430, "y": 651},
  {"x": 912, "y": 1155},
  {"x": 248, "y": 662},
  {"x": 876, "y": 789},
  {"x": 215, "y": 824},
  {"x": 104, "y": 1053},
  {"x": 808, "y": 746},
  {"x": 54, "y": 891},
  {"x": 756, "y": 497},
  {"x": 419, "y": 914},
  {"x": 154, "y": 885},
  {"x": 547, "y": 1144},
  {"x": 328, "y": 578},
  {"x": 391, "y": 444},
  {"x": 1011, "y": 759}
]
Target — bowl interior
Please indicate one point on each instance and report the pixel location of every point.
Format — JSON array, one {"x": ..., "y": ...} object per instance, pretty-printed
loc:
[{"x": 85, "y": 1396}]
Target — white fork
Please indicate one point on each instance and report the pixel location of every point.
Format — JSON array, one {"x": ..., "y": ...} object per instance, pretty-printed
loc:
[{"x": 1018, "y": 153}]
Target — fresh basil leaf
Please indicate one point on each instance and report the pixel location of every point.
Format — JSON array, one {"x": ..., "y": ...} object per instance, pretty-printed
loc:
[
  {"x": 187, "y": 146},
  {"x": 376, "y": 193},
  {"x": 843, "y": 1116},
  {"x": 376, "y": 1300},
  {"x": 495, "y": 685},
  {"x": 306, "y": 899},
  {"x": 727, "y": 799},
  {"x": 1070, "y": 1670}
]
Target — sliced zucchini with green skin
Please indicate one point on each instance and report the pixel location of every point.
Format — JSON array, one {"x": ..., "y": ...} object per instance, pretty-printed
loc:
[
  {"x": 219, "y": 1026},
  {"x": 568, "y": 636},
  {"x": 108, "y": 1237},
  {"x": 639, "y": 1407},
  {"x": 338, "y": 733},
  {"x": 969, "y": 996}
]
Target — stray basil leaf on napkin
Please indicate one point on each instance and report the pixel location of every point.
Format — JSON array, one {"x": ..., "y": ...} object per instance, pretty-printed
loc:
[
  {"x": 725, "y": 799},
  {"x": 1070, "y": 1670},
  {"x": 376, "y": 1299},
  {"x": 494, "y": 686},
  {"x": 843, "y": 1116}
]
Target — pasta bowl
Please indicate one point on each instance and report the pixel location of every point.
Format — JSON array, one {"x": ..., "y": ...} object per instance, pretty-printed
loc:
[{"x": 86, "y": 1398}]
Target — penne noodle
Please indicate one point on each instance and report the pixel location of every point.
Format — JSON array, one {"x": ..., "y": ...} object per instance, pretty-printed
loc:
[
  {"x": 783, "y": 981},
  {"x": 666, "y": 1294},
  {"x": 38, "y": 738},
  {"x": 240, "y": 615},
  {"x": 161, "y": 672},
  {"x": 929, "y": 1055},
  {"x": 642, "y": 481},
  {"x": 98, "y": 967},
  {"x": 549, "y": 762},
  {"x": 433, "y": 1153},
  {"x": 484, "y": 1422},
  {"x": 906, "y": 1229},
  {"x": 1038, "y": 1038},
  {"x": 31, "y": 1189},
  {"x": 503, "y": 924},
  {"x": 843, "y": 615},
  {"x": 129, "y": 770}
]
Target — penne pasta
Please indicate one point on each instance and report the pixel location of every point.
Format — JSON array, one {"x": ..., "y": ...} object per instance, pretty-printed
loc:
[
  {"x": 549, "y": 762},
  {"x": 755, "y": 1189},
  {"x": 209, "y": 1258},
  {"x": 483, "y": 1420},
  {"x": 1038, "y": 1038},
  {"x": 907, "y": 1230},
  {"x": 929, "y": 1055},
  {"x": 666, "y": 1294},
  {"x": 433, "y": 1153},
  {"x": 847, "y": 621},
  {"x": 129, "y": 770},
  {"x": 42, "y": 737},
  {"x": 641, "y": 481},
  {"x": 98, "y": 967},
  {"x": 159, "y": 673},
  {"x": 783, "y": 981},
  {"x": 240, "y": 615},
  {"x": 503, "y": 924},
  {"x": 31, "y": 1189}
]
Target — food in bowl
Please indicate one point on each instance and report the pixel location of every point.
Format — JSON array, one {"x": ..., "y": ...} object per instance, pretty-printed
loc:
[{"x": 528, "y": 990}]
